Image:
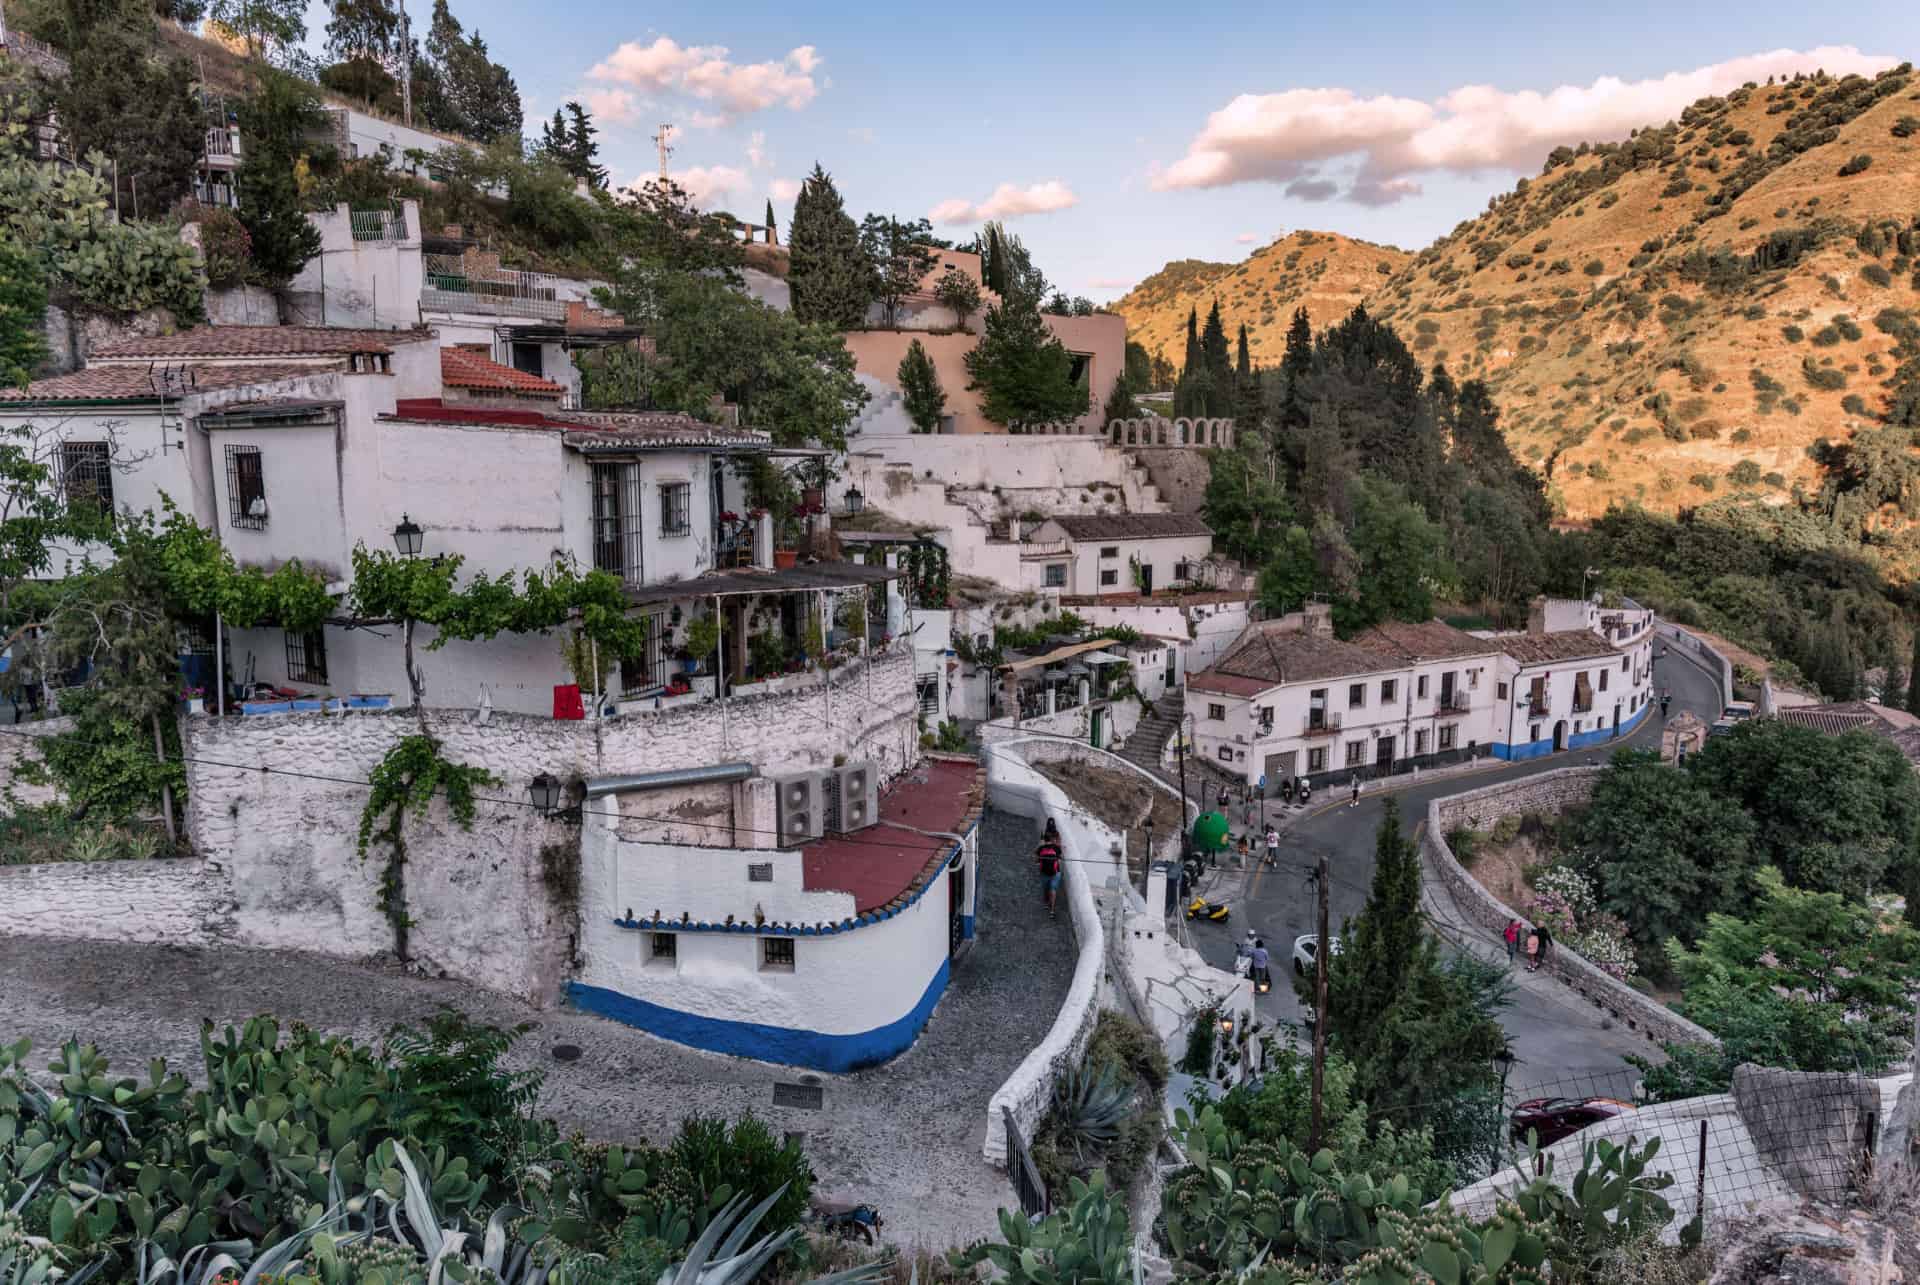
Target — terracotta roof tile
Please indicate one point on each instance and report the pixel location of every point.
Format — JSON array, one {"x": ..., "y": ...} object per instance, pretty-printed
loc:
[
  {"x": 1565, "y": 644},
  {"x": 135, "y": 383},
  {"x": 1131, "y": 526},
  {"x": 1422, "y": 640},
  {"x": 260, "y": 341},
  {"x": 1269, "y": 656},
  {"x": 463, "y": 368}
]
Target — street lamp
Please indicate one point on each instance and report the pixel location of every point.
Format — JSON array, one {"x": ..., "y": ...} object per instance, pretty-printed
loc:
[
  {"x": 855, "y": 502},
  {"x": 1226, "y": 1024},
  {"x": 408, "y": 537},
  {"x": 544, "y": 791}
]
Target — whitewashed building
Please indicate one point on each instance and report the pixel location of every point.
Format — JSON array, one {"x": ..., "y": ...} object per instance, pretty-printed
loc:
[
  {"x": 1117, "y": 553},
  {"x": 1576, "y": 685}
]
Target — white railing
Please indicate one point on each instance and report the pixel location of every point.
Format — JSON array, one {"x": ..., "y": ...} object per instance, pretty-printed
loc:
[
  {"x": 504, "y": 291},
  {"x": 378, "y": 225},
  {"x": 222, "y": 141}
]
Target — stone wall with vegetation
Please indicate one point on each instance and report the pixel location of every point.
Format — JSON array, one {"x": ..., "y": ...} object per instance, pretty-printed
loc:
[
  {"x": 1543, "y": 792},
  {"x": 177, "y": 903},
  {"x": 18, "y": 749}
]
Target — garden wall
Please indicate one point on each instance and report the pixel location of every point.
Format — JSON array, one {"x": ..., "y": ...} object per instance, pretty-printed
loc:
[
  {"x": 17, "y": 747},
  {"x": 1542, "y": 792},
  {"x": 1711, "y": 660},
  {"x": 176, "y": 903}
]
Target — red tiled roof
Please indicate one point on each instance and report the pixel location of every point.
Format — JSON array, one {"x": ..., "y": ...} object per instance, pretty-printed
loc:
[
  {"x": 135, "y": 383},
  {"x": 1130, "y": 526},
  {"x": 587, "y": 430},
  {"x": 462, "y": 368},
  {"x": 884, "y": 862},
  {"x": 1268, "y": 655},
  {"x": 1565, "y": 644},
  {"x": 1421, "y": 640},
  {"x": 261, "y": 341}
]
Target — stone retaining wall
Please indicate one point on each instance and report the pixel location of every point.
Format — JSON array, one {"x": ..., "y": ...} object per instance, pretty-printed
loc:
[
  {"x": 17, "y": 747},
  {"x": 1698, "y": 649},
  {"x": 176, "y": 903},
  {"x": 1542, "y": 792}
]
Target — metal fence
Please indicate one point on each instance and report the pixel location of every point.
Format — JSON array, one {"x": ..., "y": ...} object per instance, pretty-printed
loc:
[
  {"x": 503, "y": 291},
  {"x": 1027, "y": 1187},
  {"x": 378, "y": 225}
]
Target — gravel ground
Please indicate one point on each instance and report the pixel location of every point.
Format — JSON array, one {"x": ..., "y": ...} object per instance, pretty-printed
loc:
[{"x": 905, "y": 1136}]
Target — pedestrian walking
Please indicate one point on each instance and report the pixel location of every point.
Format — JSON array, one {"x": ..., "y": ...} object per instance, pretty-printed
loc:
[
  {"x": 1513, "y": 940},
  {"x": 1546, "y": 943},
  {"x": 1048, "y": 857},
  {"x": 1664, "y": 698},
  {"x": 1533, "y": 951},
  {"x": 1273, "y": 847},
  {"x": 1224, "y": 801},
  {"x": 1356, "y": 791},
  {"x": 1241, "y": 852},
  {"x": 1260, "y": 964}
]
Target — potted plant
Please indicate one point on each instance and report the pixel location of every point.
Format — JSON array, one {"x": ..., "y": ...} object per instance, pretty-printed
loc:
[
  {"x": 195, "y": 700},
  {"x": 703, "y": 637}
]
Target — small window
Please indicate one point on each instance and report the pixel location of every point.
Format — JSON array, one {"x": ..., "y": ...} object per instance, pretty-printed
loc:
[
  {"x": 1420, "y": 687},
  {"x": 1226, "y": 753},
  {"x": 1420, "y": 741},
  {"x": 1623, "y": 663},
  {"x": 663, "y": 949},
  {"x": 1056, "y": 575},
  {"x": 675, "y": 499},
  {"x": 1387, "y": 689},
  {"x": 1500, "y": 691},
  {"x": 1356, "y": 695},
  {"x": 1356, "y": 753},
  {"x": 1216, "y": 712},
  {"x": 1109, "y": 576},
  {"x": 1533, "y": 731},
  {"x": 776, "y": 954},
  {"x": 307, "y": 657},
  {"x": 1109, "y": 550},
  {"x": 246, "y": 488},
  {"x": 1449, "y": 733},
  {"x": 86, "y": 475},
  {"x": 1183, "y": 571},
  {"x": 1265, "y": 713},
  {"x": 1317, "y": 760},
  {"x": 1604, "y": 675}
]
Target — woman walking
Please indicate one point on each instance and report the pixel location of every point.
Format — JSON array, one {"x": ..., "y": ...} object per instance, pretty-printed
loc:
[
  {"x": 1513, "y": 940},
  {"x": 1533, "y": 951}
]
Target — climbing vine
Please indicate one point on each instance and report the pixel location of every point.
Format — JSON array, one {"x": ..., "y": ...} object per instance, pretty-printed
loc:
[
  {"x": 928, "y": 574},
  {"x": 406, "y": 779}
]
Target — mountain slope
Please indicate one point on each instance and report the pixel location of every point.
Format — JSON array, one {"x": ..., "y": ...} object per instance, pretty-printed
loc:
[
  {"x": 1685, "y": 313},
  {"x": 1324, "y": 272}
]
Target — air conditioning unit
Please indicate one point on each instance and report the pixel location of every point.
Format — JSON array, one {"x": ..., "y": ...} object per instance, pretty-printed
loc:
[
  {"x": 853, "y": 797},
  {"x": 800, "y": 807}
]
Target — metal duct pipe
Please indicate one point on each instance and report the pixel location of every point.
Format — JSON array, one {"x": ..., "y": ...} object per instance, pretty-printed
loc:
[{"x": 717, "y": 774}]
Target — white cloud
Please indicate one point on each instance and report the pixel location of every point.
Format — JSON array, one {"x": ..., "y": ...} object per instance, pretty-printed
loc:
[
  {"x": 1246, "y": 238},
  {"x": 704, "y": 72},
  {"x": 1008, "y": 202},
  {"x": 611, "y": 106},
  {"x": 1284, "y": 137},
  {"x": 706, "y": 120},
  {"x": 1110, "y": 283},
  {"x": 784, "y": 189},
  {"x": 707, "y": 186},
  {"x": 757, "y": 149}
]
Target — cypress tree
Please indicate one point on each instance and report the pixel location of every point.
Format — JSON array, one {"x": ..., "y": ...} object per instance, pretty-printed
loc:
[
  {"x": 277, "y": 123},
  {"x": 925, "y": 401},
  {"x": 1243, "y": 359},
  {"x": 828, "y": 274},
  {"x": 1192, "y": 361},
  {"x": 771, "y": 235},
  {"x": 1913, "y": 675}
]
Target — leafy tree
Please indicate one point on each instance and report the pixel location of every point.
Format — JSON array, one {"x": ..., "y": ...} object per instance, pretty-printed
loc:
[
  {"x": 1402, "y": 557},
  {"x": 831, "y": 279},
  {"x": 23, "y": 313},
  {"x": 278, "y": 122},
  {"x": 1244, "y": 502},
  {"x": 1007, "y": 267},
  {"x": 1289, "y": 575},
  {"x": 467, "y": 93},
  {"x": 1139, "y": 368},
  {"x": 1664, "y": 851},
  {"x": 128, "y": 100},
  {"x": 1163, "y": 374},
  {"x": 957, "y": 290},
  {"x": 1023, "y": 373},
  {"x": 655, "y": 227},
  {"x": 362, "y": 38},
  {"x": 1913, "y": 675},
  {"x": 920, "y": 389},
  {"x": 265, "y": 25},
  {"x": 1120, "y": 403},
  {"x": 901, "y": 259}
]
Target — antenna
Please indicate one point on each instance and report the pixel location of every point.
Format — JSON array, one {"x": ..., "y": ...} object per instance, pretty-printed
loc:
[{"x": 663, "y": 140}]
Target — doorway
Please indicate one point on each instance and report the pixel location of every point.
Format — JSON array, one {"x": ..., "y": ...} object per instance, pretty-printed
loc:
[
  {"x": 1560, "y": 736},
  {"x": 1173, "y": 677},
  {"x": 1099, "y": 729},
  {"x": 1383, "y": 755},
  {"x": 1280, "y": 767},
  {"x": 956, "y": 907},
  {"x": 1616, "y": 718},
  {"x": 1146, "y": 580}
]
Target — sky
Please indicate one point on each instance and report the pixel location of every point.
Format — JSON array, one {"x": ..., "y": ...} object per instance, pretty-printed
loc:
[{"x": 1113, "y": 138}]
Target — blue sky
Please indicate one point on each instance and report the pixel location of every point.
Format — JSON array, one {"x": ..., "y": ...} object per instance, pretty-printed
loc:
[{"x": 1340, "y": 114}]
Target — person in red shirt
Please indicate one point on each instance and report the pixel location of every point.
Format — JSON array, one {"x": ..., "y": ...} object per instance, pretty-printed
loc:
[{"x": 1049, "y": 855}]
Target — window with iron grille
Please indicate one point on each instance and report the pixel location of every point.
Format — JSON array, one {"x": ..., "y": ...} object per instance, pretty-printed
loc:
[
  {"x": 1110, "y": 576},
  {"x": 1448, "y": 734},
  {"x": 1316, "y": 760},
  {"x": 1356, "y": 753},
  {"x": 616, "y": 520},
  {"x": 926, "y": 689},
  {"x": 663, "y": 949},
  {"x": 648, "y": 669},
  {"x": 1056, "y": 575},
  {"x": 307, "y": 657},
  {"x": 246, "y": 488},
  {"x": 776, "y": 954},
  {"x": 675, "y": 508},
  {"x": 86, "y": 474}
]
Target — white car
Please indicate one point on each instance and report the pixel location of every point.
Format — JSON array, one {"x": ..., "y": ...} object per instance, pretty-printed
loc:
[{"x": 1306, "y": 950}]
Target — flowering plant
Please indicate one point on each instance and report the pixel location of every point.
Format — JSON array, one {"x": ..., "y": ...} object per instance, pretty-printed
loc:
[
  {"x": 1563, "y": 901},
  {"x": 192, "y": 693},
  {"x": 729, "y": 516}
]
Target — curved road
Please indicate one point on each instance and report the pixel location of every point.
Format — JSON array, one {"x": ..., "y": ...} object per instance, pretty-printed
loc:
[{"x": 1559, "y": 1039}]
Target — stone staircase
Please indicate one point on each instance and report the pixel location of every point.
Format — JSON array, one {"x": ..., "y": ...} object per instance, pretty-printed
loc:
[
  {"x": 1149, "y": 740},
  {"x": 883, "y": 403}
]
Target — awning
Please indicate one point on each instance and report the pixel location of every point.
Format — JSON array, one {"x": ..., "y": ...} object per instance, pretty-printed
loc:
[
  {"x": 1058, "y": 654},
  {"x": 733, "y": 584},
  {"x": 1104, "y": 658}
]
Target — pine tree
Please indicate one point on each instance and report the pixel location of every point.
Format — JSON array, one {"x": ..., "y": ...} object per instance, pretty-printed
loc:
[
  {"x": 1296, "y": 364},
  {"x": 1214, "y": 349},
  {"x": 1023, "y": 373},
  {"x": 471, "y": 95},
  {"x": 920, "y": 389},
  {"x": 583, "y": 154},
  {"x": 829, "y": 276},
  {"x": 361, "y": 38},
  {"x": 553, "y": 137},
  {"x": 276, "y": 123}
]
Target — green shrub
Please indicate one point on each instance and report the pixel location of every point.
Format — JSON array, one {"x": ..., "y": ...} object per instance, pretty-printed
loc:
[
  {"x": 1793, "y": 333},
  {"x": 745, "y": 1158},
  {"x": 1825, "y": 378},
  {"x": 1877, "y": 274},
  {"x": 1745, "y": 473},
  {"x": 1594, "y": 268},
  {"x": 1855, "y": 166}
]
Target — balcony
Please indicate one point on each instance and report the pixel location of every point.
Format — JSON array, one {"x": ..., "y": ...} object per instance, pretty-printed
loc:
[
  {"x": 222, "y": 148},
  {"x": 505, "y": 292},
  {"x": 378, "y": 225},
  {"x": 1044, "y": 550},
  {"x": 1452, "y": 703},
  {"x": 1537, "y": 708},
  {"x": 1325, "y": 725}
]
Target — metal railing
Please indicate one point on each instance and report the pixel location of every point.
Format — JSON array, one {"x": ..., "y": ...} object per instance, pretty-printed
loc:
[
  {"x": 503, "y": 291},
  {"x": 223, "y": 141},
  {"x": 1027, "y": 1186},
  {"x": 377, "y": 225},
  {"x": 1326, "y": 726},
  {"x": 1045, "y": 548}
]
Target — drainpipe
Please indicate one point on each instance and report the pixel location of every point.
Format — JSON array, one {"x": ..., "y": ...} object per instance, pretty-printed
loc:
[
  {"x": 219, "y": 667},
  {"x": 633, "y": 782}
]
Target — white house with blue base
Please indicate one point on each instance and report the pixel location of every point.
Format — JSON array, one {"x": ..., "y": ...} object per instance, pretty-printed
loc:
[
  {"x": 1585, "y": 683},
  {"x": 831, "y": 955}
]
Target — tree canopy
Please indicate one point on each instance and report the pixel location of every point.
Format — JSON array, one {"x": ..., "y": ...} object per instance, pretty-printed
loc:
[
  {"x": 829, "y": 275},
  {"x": 1024, "y": 375}
]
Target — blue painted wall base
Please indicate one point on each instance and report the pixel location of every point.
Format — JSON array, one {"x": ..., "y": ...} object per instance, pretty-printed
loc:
[
  {"x": 1579, "y": 741},
  {"x": 812, "y": 1049}
]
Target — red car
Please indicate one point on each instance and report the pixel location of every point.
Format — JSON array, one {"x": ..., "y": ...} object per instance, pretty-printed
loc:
[{"x": 1555, "y": 1118}]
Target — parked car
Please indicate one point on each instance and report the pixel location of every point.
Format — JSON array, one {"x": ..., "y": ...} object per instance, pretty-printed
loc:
[
  {"x": 1305, "y": 950},
  {"x": 1552, "y": 1119}
]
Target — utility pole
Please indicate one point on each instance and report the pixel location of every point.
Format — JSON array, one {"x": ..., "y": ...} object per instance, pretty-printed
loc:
[
  {"x": 406, "y": 66},
  {"x": 663, "y": 141},
  {"x": 1321, "y": 878}
]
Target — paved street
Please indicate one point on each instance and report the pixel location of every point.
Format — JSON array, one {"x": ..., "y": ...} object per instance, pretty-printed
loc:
[{"x": 1555, "y": 1034}]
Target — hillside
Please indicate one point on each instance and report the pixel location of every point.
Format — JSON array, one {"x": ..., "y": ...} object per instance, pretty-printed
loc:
[
  {"x": 1682, "y": 315},
  {"x": 1324, "y": 272}
]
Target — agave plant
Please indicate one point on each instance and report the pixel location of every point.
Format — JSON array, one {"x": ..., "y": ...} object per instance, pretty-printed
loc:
[
  {"x": 722, "y": 1256},
  {"x": 1091, "y": 1108}
]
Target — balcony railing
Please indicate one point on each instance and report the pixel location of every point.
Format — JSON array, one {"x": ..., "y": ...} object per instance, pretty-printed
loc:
[
  {"x": 1045, "y": 549},
  {"x": 502, "y": 291},
  {"x": 223, "y": 144},
  {"x": 1324, "y": 726},
  {"x": 378, "y": 225},
  {"x": 1452, "y": 703},
  {"x": 1537, "y": 708}
]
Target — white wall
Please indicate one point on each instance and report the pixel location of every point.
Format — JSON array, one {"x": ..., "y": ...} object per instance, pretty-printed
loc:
[
  {"x": 375, "y": 284},
  {"x": 1629, "y": 688},
  {"x": 1089, "y": 559}
]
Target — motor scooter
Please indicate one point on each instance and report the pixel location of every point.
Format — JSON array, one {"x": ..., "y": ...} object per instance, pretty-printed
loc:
[{"x": 1306, "y": 791}]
